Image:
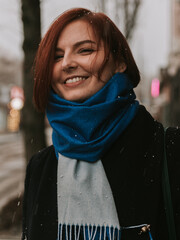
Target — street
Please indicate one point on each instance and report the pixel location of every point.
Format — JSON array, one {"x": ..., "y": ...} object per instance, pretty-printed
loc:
[
  {"x": 12, "y": 166},
  {"x": 12, "y": 170}
]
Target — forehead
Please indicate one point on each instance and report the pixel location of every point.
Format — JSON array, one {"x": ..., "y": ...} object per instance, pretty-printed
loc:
[{"x": 77, "y": 31}]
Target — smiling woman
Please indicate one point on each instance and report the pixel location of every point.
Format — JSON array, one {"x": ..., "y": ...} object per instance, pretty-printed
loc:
[
  {"x": 106, "y": 43},
  {"x": 101, "y": 178},
  {"x": 78, "y": 59}
]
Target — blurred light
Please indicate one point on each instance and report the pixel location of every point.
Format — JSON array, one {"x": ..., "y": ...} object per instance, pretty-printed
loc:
[
  {"x": 13, "y": 120},
  {"x": 17, "y": 92},
  {"x": 17, "y": 103},
  {"x": 155, "y": 87},
  {"x": 14, "y": 113}
]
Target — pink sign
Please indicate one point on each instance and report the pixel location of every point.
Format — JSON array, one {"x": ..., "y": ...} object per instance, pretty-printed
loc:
[{"x": 155, "y": 87}]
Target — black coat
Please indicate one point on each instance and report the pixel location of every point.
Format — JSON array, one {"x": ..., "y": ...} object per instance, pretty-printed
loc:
[{"x": 133, "y": 166}]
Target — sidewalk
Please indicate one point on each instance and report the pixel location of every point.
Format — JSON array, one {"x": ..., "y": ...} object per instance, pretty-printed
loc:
[
  {"x": 12, "y": 166},
  {"x": 12, "y": 172},
  {"x": 10, "y": 236}
]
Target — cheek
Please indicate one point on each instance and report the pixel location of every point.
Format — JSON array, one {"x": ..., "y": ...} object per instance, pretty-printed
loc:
[
  {"x": 87, "y": 64},
  {"x": 108, "y": 72},
  {"x": 95, "y": 67},
  {"x": 93, "y": 63},
  {"x": 55, "y": 73},
  {"x": 97, "y": 63}
]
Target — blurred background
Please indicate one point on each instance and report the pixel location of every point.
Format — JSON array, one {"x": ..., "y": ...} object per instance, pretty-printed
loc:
[{"x": 152, "y": 29}]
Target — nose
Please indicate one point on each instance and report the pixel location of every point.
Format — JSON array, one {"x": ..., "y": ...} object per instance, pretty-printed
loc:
[{"x": 68, "y": 63}]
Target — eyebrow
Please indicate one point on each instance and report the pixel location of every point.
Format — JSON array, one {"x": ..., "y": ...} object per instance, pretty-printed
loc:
[{"x": 77, "y": 44}]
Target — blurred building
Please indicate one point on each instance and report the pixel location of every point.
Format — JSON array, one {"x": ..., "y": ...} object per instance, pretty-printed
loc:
[{"x": 170, "y": 76}]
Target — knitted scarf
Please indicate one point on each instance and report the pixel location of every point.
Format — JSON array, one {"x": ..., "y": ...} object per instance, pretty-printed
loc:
[{"x": 86, "y": 130}]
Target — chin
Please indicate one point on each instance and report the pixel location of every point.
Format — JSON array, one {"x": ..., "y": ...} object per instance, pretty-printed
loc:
[{"x": 75, "y": 99}]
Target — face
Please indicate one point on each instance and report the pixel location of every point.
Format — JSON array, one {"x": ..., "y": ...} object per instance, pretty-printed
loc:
[{"x": 77, "y": 62}]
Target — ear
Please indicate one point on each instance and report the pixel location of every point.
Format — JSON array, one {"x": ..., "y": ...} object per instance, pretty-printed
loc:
[{"x": 121, "y": 68}]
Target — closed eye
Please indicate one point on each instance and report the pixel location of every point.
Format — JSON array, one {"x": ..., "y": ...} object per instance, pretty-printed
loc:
[
  {"x": 58, "y": 57},
  {"x": 86, "y": 51}
]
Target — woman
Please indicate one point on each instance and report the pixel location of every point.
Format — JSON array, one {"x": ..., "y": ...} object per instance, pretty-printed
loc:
[{"x": 101, "y": 178}]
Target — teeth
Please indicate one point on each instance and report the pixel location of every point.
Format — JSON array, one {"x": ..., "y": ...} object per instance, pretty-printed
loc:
[{"x": 76, "y": 79}]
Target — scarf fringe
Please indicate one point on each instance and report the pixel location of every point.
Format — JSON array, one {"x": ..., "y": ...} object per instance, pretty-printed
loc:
[{"x": 88, "y": 232}]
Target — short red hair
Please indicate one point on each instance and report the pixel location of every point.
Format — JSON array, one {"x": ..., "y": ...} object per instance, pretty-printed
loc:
[{"x": 104, "y": 29}]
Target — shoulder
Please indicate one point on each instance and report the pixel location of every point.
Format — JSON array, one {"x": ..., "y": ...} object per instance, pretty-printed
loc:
[
  {"x": 173, "y": 145},
  {"x": 173, "y": 137},
  {"x": 42, "y": 156},
  {"x": 41, "y": 160}
]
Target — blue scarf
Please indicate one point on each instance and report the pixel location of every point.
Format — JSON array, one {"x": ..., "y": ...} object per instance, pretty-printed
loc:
[{"x": 85, "y": 131}]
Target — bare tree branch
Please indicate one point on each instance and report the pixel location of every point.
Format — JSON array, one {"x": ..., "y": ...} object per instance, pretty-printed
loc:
[{"x": 131, "y": 11}]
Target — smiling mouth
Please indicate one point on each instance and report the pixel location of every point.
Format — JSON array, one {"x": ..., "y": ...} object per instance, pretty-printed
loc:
[{"x": 75, "y": 79}]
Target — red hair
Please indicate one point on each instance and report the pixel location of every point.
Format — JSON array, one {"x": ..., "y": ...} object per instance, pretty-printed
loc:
[{"x": 104, "y": 29}]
